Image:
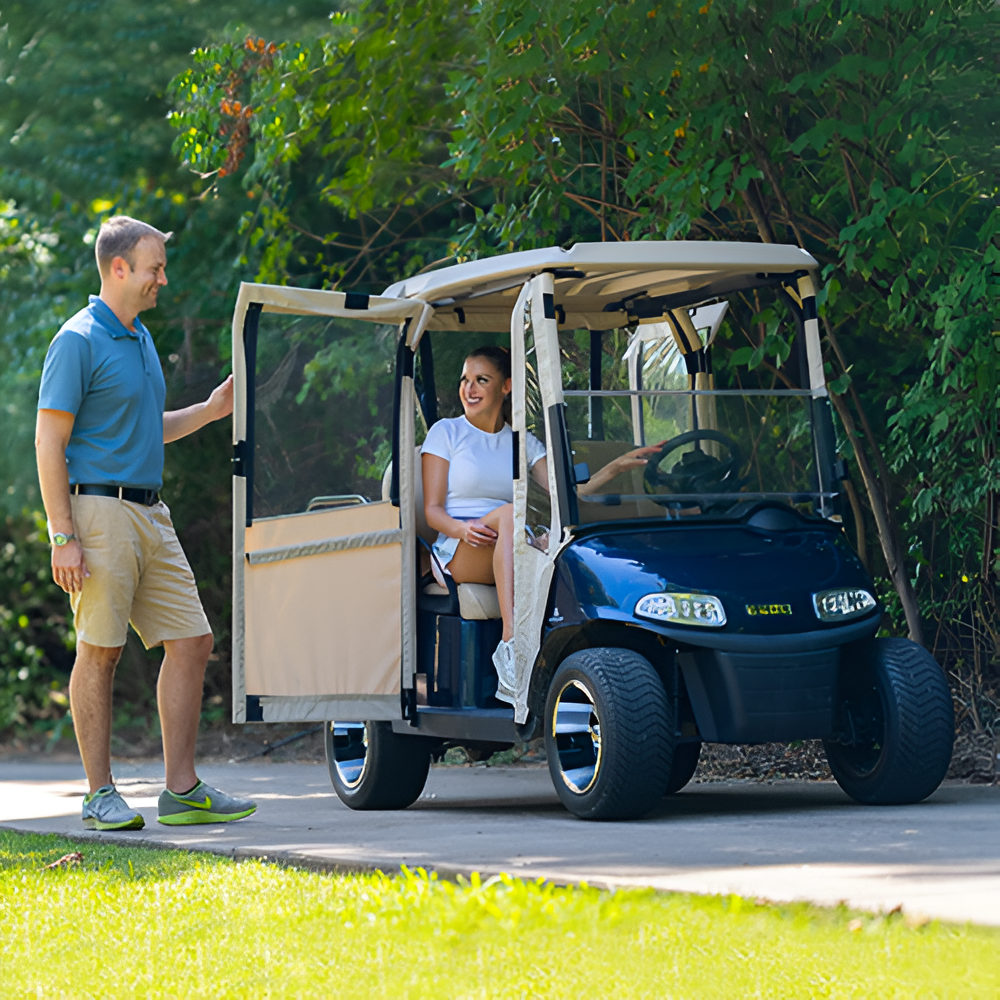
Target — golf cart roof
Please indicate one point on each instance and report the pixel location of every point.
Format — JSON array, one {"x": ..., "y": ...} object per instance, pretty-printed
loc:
[{"x": 601, "y": 286}]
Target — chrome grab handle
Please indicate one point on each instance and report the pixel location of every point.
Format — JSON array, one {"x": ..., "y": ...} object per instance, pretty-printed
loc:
[{"x": 339, "y": 500}]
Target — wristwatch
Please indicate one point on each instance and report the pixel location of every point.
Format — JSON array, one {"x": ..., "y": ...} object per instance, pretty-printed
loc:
[{"x": 59, "y": 538}]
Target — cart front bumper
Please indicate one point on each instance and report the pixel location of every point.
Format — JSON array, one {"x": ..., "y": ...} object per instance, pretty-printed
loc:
[{"x": 761, "y": 697}]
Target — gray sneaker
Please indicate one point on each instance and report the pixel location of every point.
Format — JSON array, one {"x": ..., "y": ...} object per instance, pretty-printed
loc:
[
  {"x": 203, "y": 804},
  {"x": 105, "y": 809}
]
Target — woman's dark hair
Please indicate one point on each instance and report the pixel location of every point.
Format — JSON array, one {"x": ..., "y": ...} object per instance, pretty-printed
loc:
[{"x": 499, "y": 357}]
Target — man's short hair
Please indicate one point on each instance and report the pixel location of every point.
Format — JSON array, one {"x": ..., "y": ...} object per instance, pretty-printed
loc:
[{"x": 119, "y": 237}]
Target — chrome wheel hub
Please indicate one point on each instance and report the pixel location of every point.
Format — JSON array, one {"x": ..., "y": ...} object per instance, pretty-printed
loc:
[
  {"x": 350, "y": 751},
  {"x": 577, "y": 730}
]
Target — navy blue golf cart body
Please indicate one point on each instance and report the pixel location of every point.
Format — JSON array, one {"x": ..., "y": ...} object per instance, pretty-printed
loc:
[{"x": 711, "y": 596}]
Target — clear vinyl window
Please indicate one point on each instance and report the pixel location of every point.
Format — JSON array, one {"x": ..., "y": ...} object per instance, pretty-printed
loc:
[
  {"x": 323, "y": 403},
  {"x": 538, "y": 518}
]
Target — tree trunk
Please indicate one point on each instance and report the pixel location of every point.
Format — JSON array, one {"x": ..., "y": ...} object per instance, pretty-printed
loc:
[
  {"x": 859, "y": 522},
  {"x": 889, "y": 540},
  {"x": 754, "y": 204}
]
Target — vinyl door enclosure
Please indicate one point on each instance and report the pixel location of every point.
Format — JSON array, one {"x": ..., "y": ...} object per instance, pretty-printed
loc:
[{"x": 322, "y": 569}]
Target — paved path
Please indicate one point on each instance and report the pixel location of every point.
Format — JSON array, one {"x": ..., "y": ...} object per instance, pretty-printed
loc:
[{"x": 789, "y": 840}]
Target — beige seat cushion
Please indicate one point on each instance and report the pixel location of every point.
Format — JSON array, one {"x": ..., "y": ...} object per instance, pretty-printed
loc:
[{"x": 478, "y": 601}]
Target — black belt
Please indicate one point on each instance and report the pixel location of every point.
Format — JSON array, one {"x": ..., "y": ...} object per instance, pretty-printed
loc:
[{"x": 130, "y": 493}]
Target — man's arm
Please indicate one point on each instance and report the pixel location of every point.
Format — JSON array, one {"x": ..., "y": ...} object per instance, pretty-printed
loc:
[
  {"x": 180, "y": 423},
  {"x": 52, "y": 433}
]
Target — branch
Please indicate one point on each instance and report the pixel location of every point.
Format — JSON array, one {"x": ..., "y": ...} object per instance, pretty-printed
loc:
[
  {"x": 752, "y": 200},
  {"x": 878, "y": 497},
  {"x": 765, "y": 165},
  {"x": 846, "y": 160},
  {"x": 577, "y": 199}
]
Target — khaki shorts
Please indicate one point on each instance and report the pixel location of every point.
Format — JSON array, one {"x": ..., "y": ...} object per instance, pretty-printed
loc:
[{"x": 138, "y": 574}]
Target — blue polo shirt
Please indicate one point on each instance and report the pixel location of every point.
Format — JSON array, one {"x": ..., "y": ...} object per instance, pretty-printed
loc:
[{"x": 110, "y": 378}]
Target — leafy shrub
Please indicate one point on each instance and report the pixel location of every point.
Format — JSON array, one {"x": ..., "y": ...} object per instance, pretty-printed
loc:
[{"x": 36, "y": 633}]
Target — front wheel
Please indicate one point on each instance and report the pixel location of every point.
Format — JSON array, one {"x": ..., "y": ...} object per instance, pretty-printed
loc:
[
  {"x": 895, "y": 723},
  {"x": 609, "y": 734},
  {"x": 372, "y": 767}
]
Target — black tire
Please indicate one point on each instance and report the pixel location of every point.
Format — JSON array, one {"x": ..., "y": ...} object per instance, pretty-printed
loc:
[
  {"x": 682, "y": 770},
  {"x": 615, "y": 763},
  {"x": 895, "y": 723},
  {"x": 372, "y": 767}
]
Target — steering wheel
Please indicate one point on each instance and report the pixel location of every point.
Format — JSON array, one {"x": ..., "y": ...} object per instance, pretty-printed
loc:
[{"x": 696, "y": 472}]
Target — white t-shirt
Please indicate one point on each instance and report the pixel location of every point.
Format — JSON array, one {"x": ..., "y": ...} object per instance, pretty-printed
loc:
[{"x": 481, "y": 469}]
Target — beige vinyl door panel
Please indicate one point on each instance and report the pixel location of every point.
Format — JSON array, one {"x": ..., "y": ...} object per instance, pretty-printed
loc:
[{"x": 321, "y": 596}]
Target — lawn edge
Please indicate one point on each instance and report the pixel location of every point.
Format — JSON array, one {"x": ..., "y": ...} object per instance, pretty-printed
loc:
[{"x": 456, "y": 873}]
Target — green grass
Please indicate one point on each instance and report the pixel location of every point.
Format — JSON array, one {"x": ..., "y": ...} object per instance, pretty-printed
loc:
[{"x": 136, "y": 922}]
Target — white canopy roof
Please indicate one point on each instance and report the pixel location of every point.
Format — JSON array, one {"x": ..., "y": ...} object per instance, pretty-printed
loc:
[{"x": 599, "y": 285}]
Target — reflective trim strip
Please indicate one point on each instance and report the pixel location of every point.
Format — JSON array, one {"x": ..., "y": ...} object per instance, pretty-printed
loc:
[{"x": 364, "y": 540}]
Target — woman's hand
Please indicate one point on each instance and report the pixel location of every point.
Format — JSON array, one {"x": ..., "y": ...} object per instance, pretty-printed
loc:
[
  {"x": 476, "y": 534},
  {"x": 634, "y": 459}
]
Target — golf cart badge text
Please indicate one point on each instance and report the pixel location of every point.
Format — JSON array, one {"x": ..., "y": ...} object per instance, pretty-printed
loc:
[{"x": 769, "y": 609}]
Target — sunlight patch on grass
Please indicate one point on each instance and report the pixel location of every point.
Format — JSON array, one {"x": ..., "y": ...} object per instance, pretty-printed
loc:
[{"x": 171, "y": 923}]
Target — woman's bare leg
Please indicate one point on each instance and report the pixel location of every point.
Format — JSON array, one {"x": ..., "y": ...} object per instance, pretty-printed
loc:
[
  {"x": 491, "y": 564},
  {"x": 502, "y": 522}
]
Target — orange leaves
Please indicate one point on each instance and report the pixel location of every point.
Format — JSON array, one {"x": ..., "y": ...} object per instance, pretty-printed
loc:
[
  {"x": 259, "y": 46},
  {"x": 234, "y": 109},
  {"x": 236, "y": 115}
]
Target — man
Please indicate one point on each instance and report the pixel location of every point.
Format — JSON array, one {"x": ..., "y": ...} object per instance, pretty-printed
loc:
[{"x": 99, "y": 444}]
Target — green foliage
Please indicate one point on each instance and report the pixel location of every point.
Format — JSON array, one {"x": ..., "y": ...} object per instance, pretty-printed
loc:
[
  {"x": 36, "y": 638},
  {"x": 346, "y": 135},
  {"x": 853, "y": 129},
  {"x": 412, "y": 934},
  {"x": 84, "y": 134}
]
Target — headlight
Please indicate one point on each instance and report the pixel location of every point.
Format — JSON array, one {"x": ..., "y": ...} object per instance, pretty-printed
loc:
[
  {"x": 684, "y": 609},
  {"x": 838, "y": 605}
]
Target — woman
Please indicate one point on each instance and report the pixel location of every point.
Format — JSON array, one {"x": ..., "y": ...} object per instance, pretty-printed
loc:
[{"x": 469, "y": 489}]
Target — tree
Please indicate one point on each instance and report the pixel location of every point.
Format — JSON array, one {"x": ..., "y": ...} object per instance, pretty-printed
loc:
[
  {"x": 83, "y": 133},
  {"x": 860, "y": 130}
]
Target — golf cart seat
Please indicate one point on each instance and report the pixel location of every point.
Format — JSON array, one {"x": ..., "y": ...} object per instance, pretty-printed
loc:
[{"x": 472, "y": 601}]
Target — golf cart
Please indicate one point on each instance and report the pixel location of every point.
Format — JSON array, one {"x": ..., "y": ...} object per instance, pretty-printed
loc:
[{"x": 711, "y": 596}]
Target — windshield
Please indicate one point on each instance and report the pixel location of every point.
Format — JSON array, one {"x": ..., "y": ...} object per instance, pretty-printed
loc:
[{"x": 727, "y": 436}]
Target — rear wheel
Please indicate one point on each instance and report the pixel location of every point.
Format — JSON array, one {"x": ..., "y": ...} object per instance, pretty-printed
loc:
[
  {"x": 685, "y": 763},
  {"x": 372, "y": 767},
  {"x": 608, "y": 734},
  {"x": 895, "y": 723}
]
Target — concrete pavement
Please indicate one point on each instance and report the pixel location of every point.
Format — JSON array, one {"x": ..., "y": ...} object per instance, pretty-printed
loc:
[{"x": 785, "y": 841}]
